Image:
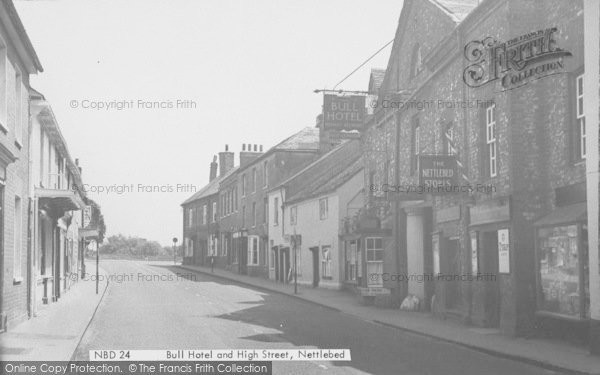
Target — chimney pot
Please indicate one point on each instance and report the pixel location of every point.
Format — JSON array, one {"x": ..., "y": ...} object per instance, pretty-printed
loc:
[
  {"x": 255, "y": 147},
  {"x": 77, "y": 162},
  {"x": 261, "y": 148},
  {"x": 226, "y": 147},
  {"x": 243, "y": 147}
]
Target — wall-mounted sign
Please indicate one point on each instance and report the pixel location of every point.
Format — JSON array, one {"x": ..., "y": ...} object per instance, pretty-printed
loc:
[
  {"x": 87, "y": 216},
  {"x": 516, "y": 62},
  {"x": 435, "y": 245},
  {"x": 503, "y": 251},
  {"x": 344, "y": 112},
  {"x": 438, "y": 173},
  {"x": 474, "y": 253}
]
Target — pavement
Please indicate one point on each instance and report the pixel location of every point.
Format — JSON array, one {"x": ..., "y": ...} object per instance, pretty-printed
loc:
[
  {"x": 548, "y": 354},
  {"x": 57, "y": 329},
  {"x": 162, "y": 306}
]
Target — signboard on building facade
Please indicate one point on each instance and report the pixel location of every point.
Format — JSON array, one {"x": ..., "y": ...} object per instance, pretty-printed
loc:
[
  {"x": 515, "y": 62},
  {"x": 87, "y": 216},
  {"x": 438, "y": 174},
  {"x": 344, "y": 112},
  {"x": 503, "y": 251},
  {"x": 474, "y": 254}
]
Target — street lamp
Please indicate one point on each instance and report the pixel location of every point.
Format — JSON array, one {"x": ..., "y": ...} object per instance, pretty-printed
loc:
[{"x": 174, "y": 250}]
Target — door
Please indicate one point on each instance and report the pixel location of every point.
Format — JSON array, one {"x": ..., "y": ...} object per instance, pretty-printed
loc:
[
  {"x": 452, "y": 265},
  {"x": 275, "y": 265},
  {"x": 284, "y": 264},
  {"x": 243, "y": 252},
  {"x": 489, "y": 253},
  {"x": 315, "y": 266}
]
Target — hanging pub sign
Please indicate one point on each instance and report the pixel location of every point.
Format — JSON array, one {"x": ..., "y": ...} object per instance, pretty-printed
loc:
[
  {"x": 438, "y": 174},
  {"x": 343, "y": 112}
]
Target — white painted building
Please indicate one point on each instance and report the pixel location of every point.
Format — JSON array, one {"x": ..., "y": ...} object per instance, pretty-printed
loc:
[{"x": 307, "y": 213}]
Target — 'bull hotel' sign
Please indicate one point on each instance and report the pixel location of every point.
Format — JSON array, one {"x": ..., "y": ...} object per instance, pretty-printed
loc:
[{"x": 344, "y": 112}]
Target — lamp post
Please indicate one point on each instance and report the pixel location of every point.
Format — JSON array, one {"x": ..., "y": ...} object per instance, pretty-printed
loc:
[{"x": 174, "y": 250}]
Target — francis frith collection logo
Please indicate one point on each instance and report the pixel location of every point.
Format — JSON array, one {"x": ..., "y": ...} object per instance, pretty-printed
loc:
[{"x": 516, "y": 62}]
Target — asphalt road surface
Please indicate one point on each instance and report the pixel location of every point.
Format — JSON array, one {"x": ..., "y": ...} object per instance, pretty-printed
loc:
[{"x": 201, "y": 312}]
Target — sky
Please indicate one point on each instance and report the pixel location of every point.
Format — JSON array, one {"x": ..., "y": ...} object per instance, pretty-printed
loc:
[{"x": 147, "y": 91}]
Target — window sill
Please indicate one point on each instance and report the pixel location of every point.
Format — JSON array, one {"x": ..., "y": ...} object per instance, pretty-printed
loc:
[{"x": 17, "y": 280}]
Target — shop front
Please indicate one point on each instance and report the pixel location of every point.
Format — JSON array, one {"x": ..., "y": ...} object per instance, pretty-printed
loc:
[{"x": 562, "y": 272}]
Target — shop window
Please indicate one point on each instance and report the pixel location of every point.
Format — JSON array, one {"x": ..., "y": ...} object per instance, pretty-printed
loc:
[
  {"x": 562, "y": 263},
  {"x": 326, "y": 269}
]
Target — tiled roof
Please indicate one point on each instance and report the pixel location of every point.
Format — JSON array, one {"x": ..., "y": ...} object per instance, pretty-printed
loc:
[
  {"x": 210, "y": 188},
  {"x": 305, "y": 139},
  {"x": 457, "y": 9},
  {"x": 326, "y": 173}
]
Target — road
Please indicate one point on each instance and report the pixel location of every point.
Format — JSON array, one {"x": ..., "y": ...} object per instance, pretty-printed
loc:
[{"x": 201, "y": 312}]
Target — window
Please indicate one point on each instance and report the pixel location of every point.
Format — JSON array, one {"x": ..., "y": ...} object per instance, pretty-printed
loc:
[
  {"x": 243, "y": 216},
  {"x": 276, "y": 211},
  {"x": 253, "y": 250},
  {"x": 214, "y": 212},
  {"x": 323, "y": 208},
  {"x": 449, "y": 145},
  {"x": 415, "y": 145},
  {"x": 235, "y": 199},
  {"x": 326, "y": 262},
  {"x": 204, "y": 213},
  {"x": 243, "y": 185},
  {"x": 265, "y": 210},
  {"x": 18, "y": 225},
  {"x": 293, "y": 215},
  {"x": 18, "y": 107},
  {"x": 190, "y": 217},
  {"x": 253, "y": 180},
  {"x": 580, "y": 119},
  {"x": 265, "y": 175},
  {"x": 374, "y": 248},
  {"x": 492, "y": 148},
  {"x": 253, "y": 214}
]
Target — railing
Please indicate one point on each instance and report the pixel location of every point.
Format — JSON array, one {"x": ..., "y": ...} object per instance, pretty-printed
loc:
[{"x": 55, "y": 181}]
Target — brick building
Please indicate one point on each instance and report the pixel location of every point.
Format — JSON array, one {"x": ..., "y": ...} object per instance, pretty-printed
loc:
[
  {"x": 17, "y": 61},
  {"x": 201, "y": 216},
  {"x": 519, "y": 138}
]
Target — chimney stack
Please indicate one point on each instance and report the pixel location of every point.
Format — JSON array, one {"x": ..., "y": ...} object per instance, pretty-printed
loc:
[
  {"x": 225, "y": 161},
  {"x": 249, "y": 154},
  {"x": 213, "y": 169}
]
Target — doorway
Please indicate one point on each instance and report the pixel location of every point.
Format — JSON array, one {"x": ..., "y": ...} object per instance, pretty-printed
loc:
[
  {"x": 489, "y": 253},
  {"x": 284, "y": 264},
  {"x": 315, "y": 266},
  {"x": 452, "y": 287}
]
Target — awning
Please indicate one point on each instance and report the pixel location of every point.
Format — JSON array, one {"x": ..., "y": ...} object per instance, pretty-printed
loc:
[
  {"x": 566, "y": 214},
  {"x": 59, "y": 200}
]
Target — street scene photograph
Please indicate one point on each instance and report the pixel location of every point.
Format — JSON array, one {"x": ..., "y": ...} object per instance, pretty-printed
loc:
[{"x": 402, "y": 187}]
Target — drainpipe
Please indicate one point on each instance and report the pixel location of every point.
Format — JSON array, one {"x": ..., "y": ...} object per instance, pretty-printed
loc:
[{"x": 591, "y": 99}]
